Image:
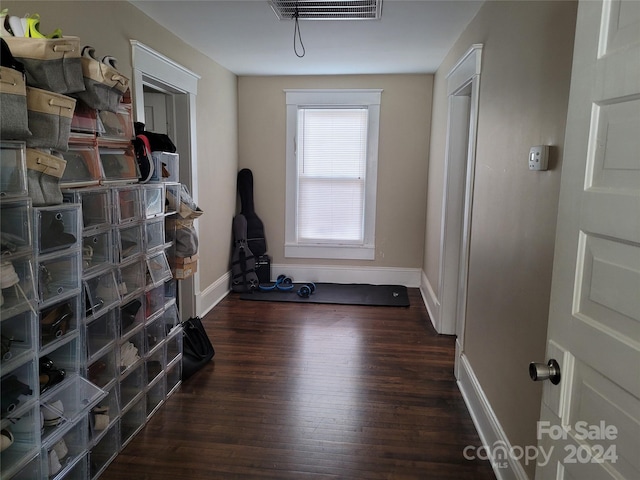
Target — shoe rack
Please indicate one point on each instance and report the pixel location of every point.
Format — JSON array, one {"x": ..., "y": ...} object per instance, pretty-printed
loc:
[{"x": 91, "y": 335}]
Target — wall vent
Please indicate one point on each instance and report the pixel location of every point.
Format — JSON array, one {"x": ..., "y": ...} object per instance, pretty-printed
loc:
[{"x": 327, "y": 9}]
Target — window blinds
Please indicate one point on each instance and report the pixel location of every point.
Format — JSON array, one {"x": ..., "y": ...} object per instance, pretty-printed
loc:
[{"x": 331, "y": 160}]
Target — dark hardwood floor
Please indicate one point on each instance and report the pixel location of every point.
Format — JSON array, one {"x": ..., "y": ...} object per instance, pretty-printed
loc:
[{"x": 312, "y": 392}]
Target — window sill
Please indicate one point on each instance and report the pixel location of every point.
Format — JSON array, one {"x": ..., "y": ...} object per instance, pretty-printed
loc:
[{"x": 341, "y": 252}]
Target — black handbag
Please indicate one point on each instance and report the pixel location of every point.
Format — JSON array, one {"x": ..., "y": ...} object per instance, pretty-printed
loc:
[{"x": 197, "y": 349}]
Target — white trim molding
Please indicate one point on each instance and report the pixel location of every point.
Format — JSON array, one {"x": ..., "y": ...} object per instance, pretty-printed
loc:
[
  {"x": 213, "y": 294},
  {"x": 491, "y": 433},
  {"x": 409, "y": 277},
  {"x": 430, "y": 300}
]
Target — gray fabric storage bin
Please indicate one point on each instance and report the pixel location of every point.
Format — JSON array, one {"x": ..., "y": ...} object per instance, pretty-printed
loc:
[
  {"x": 104, "y": 85},
  {"x": 50, "y": 117},
  {"x": 50, "y": 64},
  {"x": 13, "y": 98}
]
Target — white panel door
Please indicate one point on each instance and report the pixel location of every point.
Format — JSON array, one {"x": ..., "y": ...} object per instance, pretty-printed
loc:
[{"x": 590, "y": 421}]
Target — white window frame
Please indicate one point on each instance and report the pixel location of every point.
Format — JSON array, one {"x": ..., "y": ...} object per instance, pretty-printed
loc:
[{"x": 309, "y": 98}]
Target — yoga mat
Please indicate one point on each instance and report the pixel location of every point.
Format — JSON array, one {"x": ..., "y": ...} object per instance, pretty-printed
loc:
[{"x": 338, "y": 293}]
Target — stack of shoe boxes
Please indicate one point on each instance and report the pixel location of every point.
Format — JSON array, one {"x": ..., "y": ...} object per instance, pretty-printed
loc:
[
  {"x": 19, "y": 386},
  {"x": 131, "y": 326}
]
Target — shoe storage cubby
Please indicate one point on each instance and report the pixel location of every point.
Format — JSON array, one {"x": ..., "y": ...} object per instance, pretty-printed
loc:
[
  {"x": 132, "y": 279},
  {"x": 59, "y": 321},
  {"x": 104, "y": 451},
  {"x": 130, "y": 240},
  {"x": 132, "y": 420},
  {"x": 158, "y": 270},
  {"x": 104, "y": 415},
  {"x": 101, "y": 294},
  {"x": 23, "y": 428},
  {"x": 119, "y": 165},
  {"x": 18, "y": 389},
  {"x": 91, "y": 335},
  {"x": 15, "y": 226},
  {"x": 18, "y": 340},
  {"x": 132, "y": 385},
  {"x": 83, "y": 167},
  {"x": 57, "y": 228},
  {"x": 97, "y": 251},
  {"x": 156, "y": 394},
  {"x": 154, "y": 200},
  {"x": 95, "y": 205},
  {"x": 127, "y": 201},
  {"x": 117, "y": 125},
  {"x": 66, "y": 450},
  {"x": 101, "y": 334},
  {"x": 154, "y": 234},
  {"x": 58, "y": 277},
  {"x": 13, "y": 171}
]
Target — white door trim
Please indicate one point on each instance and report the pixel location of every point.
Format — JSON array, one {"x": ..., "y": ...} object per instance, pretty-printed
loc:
[
  {"x": 463, "y": 89},
  {"x": 153, "y": 68}
]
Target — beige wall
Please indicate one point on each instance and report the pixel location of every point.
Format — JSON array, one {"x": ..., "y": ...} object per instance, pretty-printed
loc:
[
  {"x": 524, "y": 87},
  {"x": 402, "y": 162},
  {"x": 108, "y": 26}
]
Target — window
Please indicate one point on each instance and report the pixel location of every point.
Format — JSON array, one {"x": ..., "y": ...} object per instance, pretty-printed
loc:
[{"x": 332, "y": 154}]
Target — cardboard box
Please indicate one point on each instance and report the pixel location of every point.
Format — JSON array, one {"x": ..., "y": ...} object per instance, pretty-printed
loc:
[{"x": 184, "y": 267}]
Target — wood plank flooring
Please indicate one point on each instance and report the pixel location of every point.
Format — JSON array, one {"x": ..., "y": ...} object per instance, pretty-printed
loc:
[{"x": 312, "y": 392}]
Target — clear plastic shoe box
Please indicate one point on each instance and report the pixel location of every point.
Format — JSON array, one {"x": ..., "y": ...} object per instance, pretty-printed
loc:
[
  {"x": 101, "y": 294},
  {"x": 24, "y": 425},
  {"x": 153, "y": 200},
  {"x": 19, "y": 388},
  {"x": 101, "y": 334},
  {"x": 59, "y": 321},
  {"x": 156, "y": 393},
  {"x": 83, "y": 167},
  {"x": 132, "y": 421},
  {"x": 97, "y": 251},
  {"x": 172, "y": 196},
  {"x": 155, "y": 363},
  {"x": 154, "y": 301},
  {"x": 158, "y": 269},
  {"x": 131, "y": 351},
  {"x": 15, "y": 226},
  {"x": 116, "y": 125},
  {"x": 57, "y": 228},
  {"x": 18, "y": 285},
  {"x": 13, "y": 170},
  {"x": 173, "y": 376},
  {"x": 127, "y": 202},
  {"x": 154, "y": 234},
  {"x": 132, "y": 279},
  {"x": 103, "y": 370},
  {"x": 104, "y": 415},
  {"x": 131, "y": 316},
  {"x": 132, "y": 386},
  {"x": 58, "y": 277},
  {"x": 33, "y": 469},
  {"x": 18, "y": 339},
  {"x": 96, "y": 206},
  {"x": 104, "y": 451},
  {"x": 69, "y": 448},
  {"x": 174, "y": 345},
  {"x": 119, "y": 165},
  {"x": 129, "y": 241}
]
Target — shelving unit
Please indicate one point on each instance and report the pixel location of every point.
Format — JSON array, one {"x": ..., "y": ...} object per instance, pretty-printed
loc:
[{"x": 94, "y": 297}]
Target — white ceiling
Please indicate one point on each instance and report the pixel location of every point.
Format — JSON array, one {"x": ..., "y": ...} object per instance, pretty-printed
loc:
[{"x": 246, "y": 37}]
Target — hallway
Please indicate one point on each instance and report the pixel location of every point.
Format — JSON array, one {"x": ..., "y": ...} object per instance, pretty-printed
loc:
[{"x": 313, "y": 391}]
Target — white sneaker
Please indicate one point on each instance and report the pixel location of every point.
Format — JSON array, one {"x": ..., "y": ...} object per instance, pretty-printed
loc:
[
  {"x": 61, "y": 449},
  {"x": 52, "y": 413},
  {"x": 8, "y": 275},
  {"x": 18, "y": 26},
  {"x": 54, "y": 463},
  {"x": 6, "y": 439}
]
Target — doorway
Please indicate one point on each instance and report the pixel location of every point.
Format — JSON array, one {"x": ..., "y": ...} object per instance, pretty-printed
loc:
[
  {"x": 167, "y": 91},
  {"x": 463, "y": 84}
]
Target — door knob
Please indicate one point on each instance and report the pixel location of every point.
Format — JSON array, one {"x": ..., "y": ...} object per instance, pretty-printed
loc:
[{"x": 540, "y": 371}]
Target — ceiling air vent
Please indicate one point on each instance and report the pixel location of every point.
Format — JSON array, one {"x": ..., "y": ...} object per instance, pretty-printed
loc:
[{"x": 327, "y": 9}]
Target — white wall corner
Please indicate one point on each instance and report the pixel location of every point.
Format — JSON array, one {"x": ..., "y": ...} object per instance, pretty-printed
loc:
[
  {"x": 491, "y": 433},
  {"x": 430, "y": 300},
  {"x": 409, "y": 277},
  {"x": 213, "y": 294}
]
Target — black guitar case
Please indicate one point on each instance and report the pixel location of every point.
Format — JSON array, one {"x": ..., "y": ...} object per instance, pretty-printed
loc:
[
  {"x": 243, "y": 262},
  {"x": 256, "y": 240}
]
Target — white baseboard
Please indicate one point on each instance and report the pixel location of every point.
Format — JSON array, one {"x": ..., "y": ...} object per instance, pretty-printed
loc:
[
  {"x": 211, "y": 296},
  {"x": 430, "y": 301},
  {"x": 409, "y": 277},
  {"x": 491, "y": 433}
]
